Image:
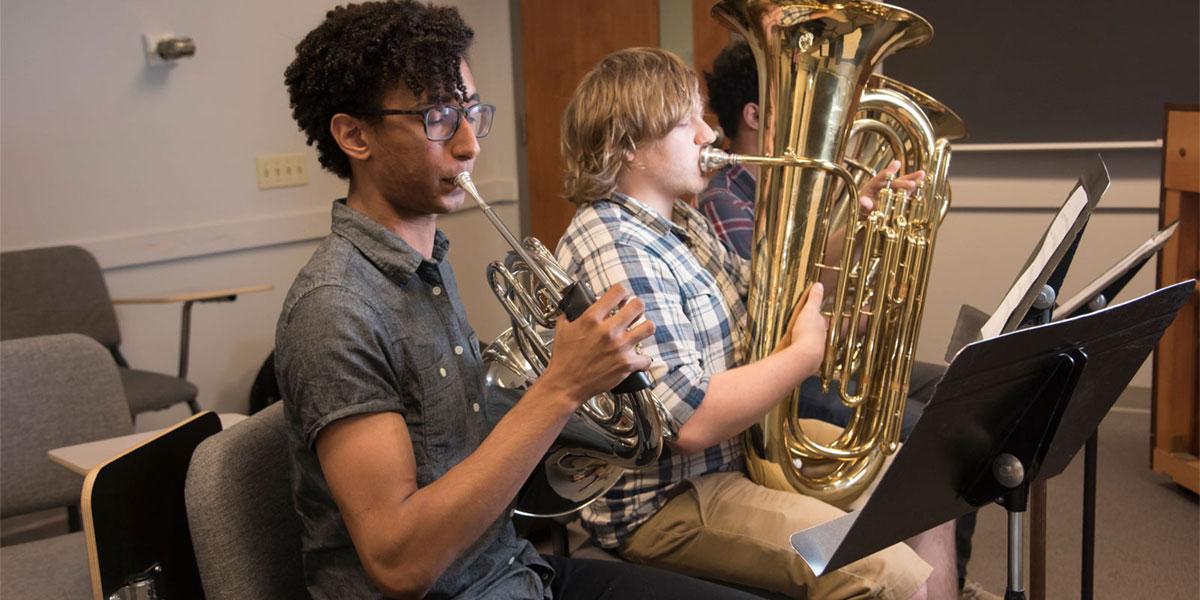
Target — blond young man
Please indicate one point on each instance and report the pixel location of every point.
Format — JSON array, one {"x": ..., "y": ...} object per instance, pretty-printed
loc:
[{"x": 632, "y": 135}]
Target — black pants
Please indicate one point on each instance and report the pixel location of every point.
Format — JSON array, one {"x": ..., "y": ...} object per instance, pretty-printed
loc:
[{"x": 582, "y": 579}]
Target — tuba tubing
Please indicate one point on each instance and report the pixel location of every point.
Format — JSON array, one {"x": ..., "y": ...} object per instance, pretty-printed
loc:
[{"x": 817, "y": 99}]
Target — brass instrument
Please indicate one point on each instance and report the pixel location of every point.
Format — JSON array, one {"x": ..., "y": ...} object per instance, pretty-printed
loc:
[
  {"x": 821, "y": 108},
  {"x": 618, "y": 430}
]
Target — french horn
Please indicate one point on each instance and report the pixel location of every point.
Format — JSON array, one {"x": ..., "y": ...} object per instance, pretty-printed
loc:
[{"x": 610, "y": 433}]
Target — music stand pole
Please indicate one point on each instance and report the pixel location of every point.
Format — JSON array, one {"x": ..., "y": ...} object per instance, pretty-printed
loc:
[
  {"x": 1089, "y": 517},
  {"x": 1033, "y": 496},
  {"x": 1009, "y": 471},
  {"x": 1088, "y": 555}
]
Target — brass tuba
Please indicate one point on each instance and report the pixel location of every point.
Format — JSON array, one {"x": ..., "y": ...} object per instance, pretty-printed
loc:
[
  {"x": 622, "y": 429},
  {"x": 826, "y": 125}
]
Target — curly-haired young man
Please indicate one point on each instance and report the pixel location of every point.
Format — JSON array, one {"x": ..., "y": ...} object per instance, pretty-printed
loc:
[
  {"x": 401, "y": 486},
  {"x": 631, "y": 139}
]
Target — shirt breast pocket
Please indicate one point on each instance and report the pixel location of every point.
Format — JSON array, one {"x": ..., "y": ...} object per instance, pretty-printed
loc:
[
  {"x": 701, "y": 302},
  {"x": 431, "y": 387},
  {"x": 707, "y": 316}
]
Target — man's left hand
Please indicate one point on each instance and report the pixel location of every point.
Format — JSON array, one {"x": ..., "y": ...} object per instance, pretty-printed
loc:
[{"x": 907, "y": 182}]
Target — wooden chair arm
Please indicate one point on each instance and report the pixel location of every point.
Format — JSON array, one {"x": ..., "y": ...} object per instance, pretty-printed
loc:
[
  {"x": 185, "y": 326},
  {"x": 196, "y": 296}
]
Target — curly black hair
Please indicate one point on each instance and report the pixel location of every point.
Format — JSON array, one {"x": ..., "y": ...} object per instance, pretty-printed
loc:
[
  {"x": 363, "y": 51},
  {"x": 732, "y": 83}
]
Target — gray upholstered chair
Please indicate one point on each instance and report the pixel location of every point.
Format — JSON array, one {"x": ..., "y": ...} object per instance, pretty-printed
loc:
[
  {"x": 239, "y": 501},
  {"x": 55, "y": 391},
  {"x": 45, "y": 291}
]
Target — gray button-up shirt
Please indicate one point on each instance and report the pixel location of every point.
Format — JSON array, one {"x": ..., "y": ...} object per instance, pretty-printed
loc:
[{"x": 371, "y": 326}]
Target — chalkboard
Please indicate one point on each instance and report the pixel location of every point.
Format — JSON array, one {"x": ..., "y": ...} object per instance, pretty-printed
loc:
[{"x": 1056, "y": 71}]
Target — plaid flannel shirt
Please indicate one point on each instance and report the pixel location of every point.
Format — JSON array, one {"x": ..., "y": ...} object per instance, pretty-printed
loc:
[
  {"x": 694, "y": 290},
  {"x": 728, "y": 202}
]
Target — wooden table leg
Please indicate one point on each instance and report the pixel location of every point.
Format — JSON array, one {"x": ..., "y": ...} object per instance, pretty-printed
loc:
[{"x": 1037, "y": 541}]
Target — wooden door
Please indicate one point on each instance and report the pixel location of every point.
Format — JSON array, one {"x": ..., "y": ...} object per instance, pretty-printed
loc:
[
  {"x": 560, "y": 41},
  {"x": 708, "y": 38}
]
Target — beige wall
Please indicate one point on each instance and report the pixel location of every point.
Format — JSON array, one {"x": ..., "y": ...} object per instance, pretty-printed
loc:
[{"x": 153, "y": 169}]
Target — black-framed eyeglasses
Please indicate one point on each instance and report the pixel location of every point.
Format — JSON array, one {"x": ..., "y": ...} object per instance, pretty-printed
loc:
[{"x": 441, "y": 121}]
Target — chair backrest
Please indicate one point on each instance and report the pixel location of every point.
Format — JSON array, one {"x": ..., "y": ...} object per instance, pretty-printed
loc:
[
  {"x": 55, "y": 391},
  {"x": 45, "y": 291},
  {"x": 244, "y": 530}
]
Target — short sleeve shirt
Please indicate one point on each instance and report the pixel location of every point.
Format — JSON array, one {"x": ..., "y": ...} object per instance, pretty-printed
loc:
[{"x": 371, "y": 326}]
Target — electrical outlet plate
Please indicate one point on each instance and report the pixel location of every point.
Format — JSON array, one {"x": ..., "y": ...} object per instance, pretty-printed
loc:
[
  {"x": 150, "y": 47},
  {"x": 280, "y": 170}
]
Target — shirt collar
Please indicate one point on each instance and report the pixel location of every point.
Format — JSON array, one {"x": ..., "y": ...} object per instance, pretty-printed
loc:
[
  {"x": 648, "y": 216},
  {"x": 685, "y": 221},
  {"x": 386, "y": 250},
  {"x": 741, "y": 179}
]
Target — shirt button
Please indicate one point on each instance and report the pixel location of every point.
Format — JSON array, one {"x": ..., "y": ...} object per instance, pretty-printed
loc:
[
  {"x": 475, "y": 407},
  {"x": 442, "y": 371},
  {"x": 458, "y": 349},
  {"x": 437, "y": 291},
  {"x": 511, "y": 559}
]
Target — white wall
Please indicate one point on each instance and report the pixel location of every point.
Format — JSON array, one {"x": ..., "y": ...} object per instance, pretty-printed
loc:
[{"x": 153, "y": 169}]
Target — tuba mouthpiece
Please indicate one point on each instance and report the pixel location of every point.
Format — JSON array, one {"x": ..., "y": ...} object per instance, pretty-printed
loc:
[{"x": 713, "y": 158}]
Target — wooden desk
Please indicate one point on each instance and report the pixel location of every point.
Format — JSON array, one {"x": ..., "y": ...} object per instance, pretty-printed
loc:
[
  {"x": 134, "y": 514},
  {"x": 1175, "y": 411},
  {"x": 188, "y": 299},
  {"x": 82, "y": 458},
  {"x": 195, "y": 296}
]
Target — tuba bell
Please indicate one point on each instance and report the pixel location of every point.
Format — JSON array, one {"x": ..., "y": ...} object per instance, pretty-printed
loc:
[
  {"x": 827, "y": 124},
  {"x": 618, "y": 430}
]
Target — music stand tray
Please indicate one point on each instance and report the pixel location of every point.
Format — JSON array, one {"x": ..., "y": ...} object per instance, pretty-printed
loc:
[{"x": 1036, "y": 394}]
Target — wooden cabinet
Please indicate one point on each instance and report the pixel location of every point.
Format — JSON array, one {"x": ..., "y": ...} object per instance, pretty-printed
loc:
[{"x": 1175, "y": 415}]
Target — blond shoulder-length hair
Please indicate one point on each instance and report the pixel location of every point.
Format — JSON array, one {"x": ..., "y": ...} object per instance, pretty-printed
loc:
[{"x": 632, "y": 96}]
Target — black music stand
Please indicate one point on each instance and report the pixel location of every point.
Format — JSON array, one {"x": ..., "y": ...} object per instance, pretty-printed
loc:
[
  {"x": 1011, "y": 410},
  {"x": 1094, "y": 297},
  {"x": 1029, "y": 303}
]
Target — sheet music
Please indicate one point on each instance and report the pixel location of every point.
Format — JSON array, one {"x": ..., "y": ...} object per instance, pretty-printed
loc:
[
  {"x": 1147, "y": 248},
  {"x": 1059, "y": 228}
]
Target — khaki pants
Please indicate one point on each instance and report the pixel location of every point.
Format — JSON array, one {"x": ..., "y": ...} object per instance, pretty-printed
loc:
[{"x": 728, "y": 528}]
